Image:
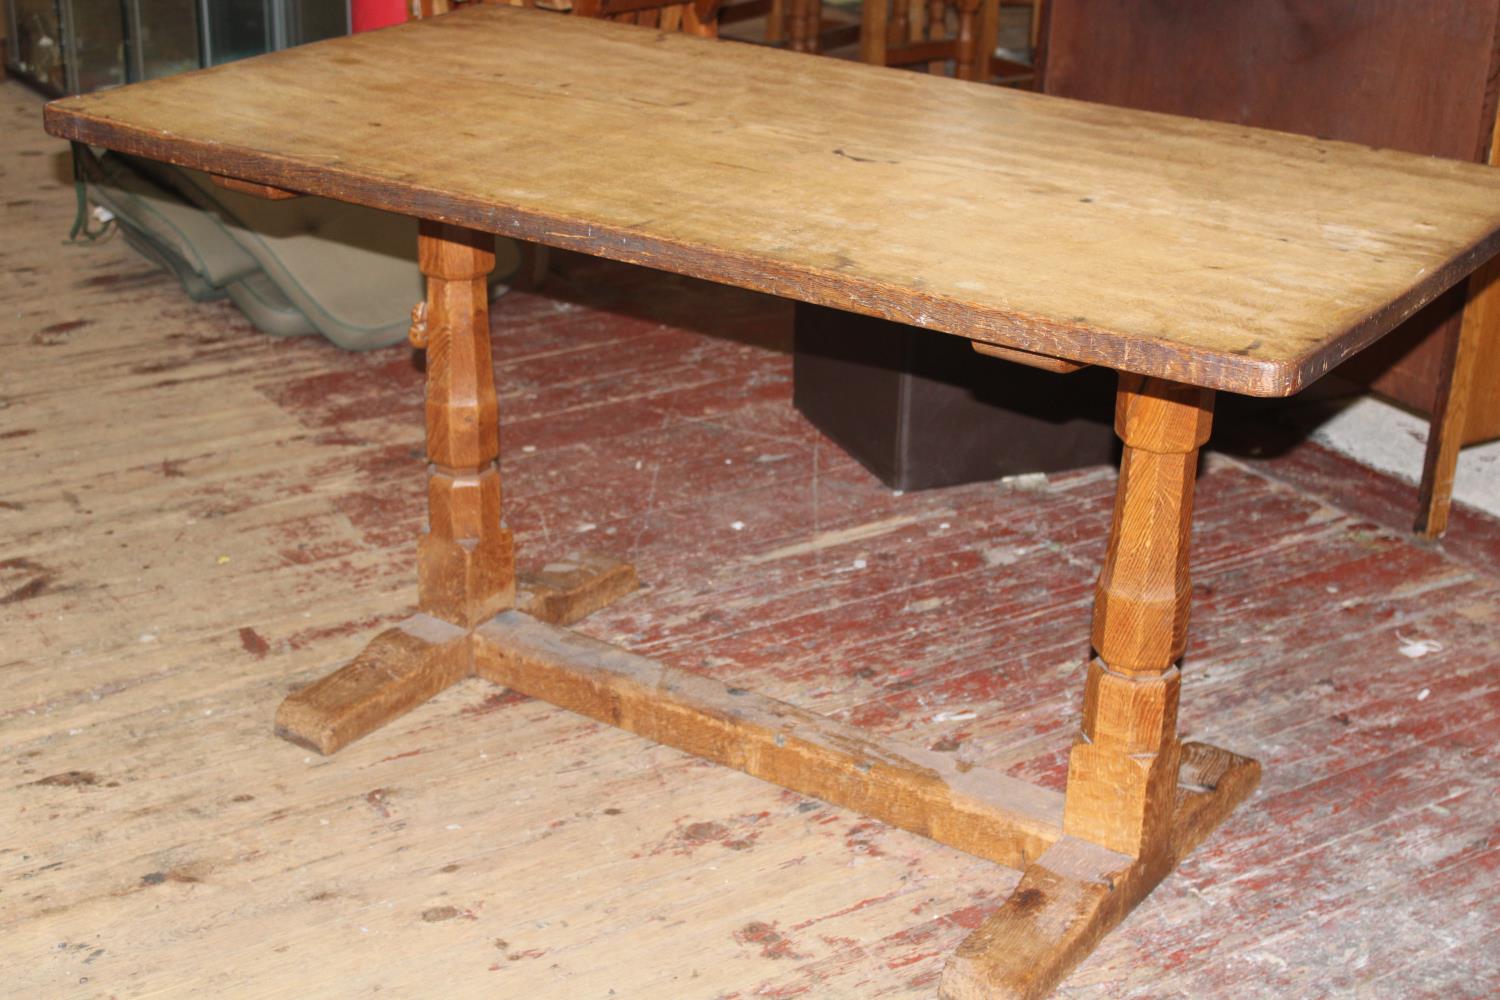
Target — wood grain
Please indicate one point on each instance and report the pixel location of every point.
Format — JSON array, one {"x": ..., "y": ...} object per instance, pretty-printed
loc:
[
  {"x": 1079, "y": 891},
  {"x": 1203, "y": 253},
  {"x": 401, "y": 668},
  {"x": 1122, "y": 772},
  {"x": 466, "y": 558},
  {"x": 982, "y": 812}
]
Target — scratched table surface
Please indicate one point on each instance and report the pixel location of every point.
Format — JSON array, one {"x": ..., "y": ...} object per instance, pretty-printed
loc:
[{"x": 1243, "y": 260}]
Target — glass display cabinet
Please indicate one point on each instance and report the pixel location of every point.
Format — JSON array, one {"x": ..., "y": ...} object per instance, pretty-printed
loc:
[{"x": 75, "y": 46}]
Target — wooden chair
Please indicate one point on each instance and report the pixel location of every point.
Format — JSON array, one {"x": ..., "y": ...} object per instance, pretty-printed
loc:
[
  {"x": 774, "y": 11},
  {"x": 938, "y": 32},
  {"x": 933, "y": 33},
  {"x": 917, "y": 32},
  {"x": 692, "y": 17}
]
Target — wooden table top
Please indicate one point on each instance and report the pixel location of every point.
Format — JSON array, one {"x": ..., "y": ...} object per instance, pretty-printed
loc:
[{"x": 1218, "y": 255}]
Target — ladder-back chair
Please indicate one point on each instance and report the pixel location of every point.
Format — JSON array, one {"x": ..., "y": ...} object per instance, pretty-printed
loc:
[{"x": 692, "y": 17}]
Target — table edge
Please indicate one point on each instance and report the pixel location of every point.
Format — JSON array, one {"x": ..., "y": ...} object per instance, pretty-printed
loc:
[{"x": 1144, "y": 355}]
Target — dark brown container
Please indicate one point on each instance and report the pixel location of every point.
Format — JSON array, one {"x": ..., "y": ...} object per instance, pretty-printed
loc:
[{"x": 921, "y": 410}]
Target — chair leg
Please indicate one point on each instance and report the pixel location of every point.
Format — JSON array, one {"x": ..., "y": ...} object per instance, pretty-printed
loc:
[
  {"x": 987, "y": 37},
  {"x": 776, "y": 21},
  {"x": 935, "y": 27},
  {"x": 1445, "y": 436},
  {"x": 966, "y": 51},
  {"x": 874, "y": 29}
]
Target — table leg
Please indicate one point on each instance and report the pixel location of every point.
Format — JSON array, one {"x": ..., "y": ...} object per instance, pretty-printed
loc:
[
  {"x": 1137, "y": 800},
  {"x": 465, "y": 558},
  {"x": 1123, "y": 770}
]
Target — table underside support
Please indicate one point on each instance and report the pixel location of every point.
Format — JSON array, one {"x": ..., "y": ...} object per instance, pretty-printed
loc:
[{"x": 1137, "y": 800}]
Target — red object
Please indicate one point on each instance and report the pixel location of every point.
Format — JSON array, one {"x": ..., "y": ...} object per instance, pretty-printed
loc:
[{"x": 367, "y": 15}]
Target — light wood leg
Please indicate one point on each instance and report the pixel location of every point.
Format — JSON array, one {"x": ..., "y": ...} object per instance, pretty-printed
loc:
[
  {"x": 1445, "y": 434},
  {"x": 776, "y": 21},
  {"x": 936, "y": 28},
  {"x": 967, "y": 59},
  {"x": 1123, "y": 769},
  {"x": 465, "y": 558},
  {"x": 465, "y": 561},
  {"x": 988, "y": 37},
  {"x": 873, "y": 29},
  {"x": 810, "y": 34},
  {"x": 1136, "y": 799}
]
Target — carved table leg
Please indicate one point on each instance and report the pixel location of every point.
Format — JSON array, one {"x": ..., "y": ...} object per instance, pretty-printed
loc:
[
  {"x": 1123, "y": 771},
  {"x": 1126, "y": 819},
  {"x": 466, "y": 561},
  {"x": 465, "y": 558}
]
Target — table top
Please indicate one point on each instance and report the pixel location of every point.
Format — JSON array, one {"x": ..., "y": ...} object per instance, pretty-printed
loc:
[{"x": 1218, "y": 255}]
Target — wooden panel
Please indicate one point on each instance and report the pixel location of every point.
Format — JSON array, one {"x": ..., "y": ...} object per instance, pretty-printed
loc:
[
  {"x": 1387, "y": 73},
  {"x": 1380, "y": 72},
  {"x": 1216, "y": 255},
  {"x": 1482, "y": 420},
  {"x": 1483, "y": 423}
]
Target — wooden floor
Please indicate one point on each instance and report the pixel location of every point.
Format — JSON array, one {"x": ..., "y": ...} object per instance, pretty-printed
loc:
[{"x": 196, "y": 518}]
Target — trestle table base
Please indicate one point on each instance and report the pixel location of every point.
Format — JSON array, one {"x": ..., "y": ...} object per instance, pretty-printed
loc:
[{"x": 1137, "y": 800}]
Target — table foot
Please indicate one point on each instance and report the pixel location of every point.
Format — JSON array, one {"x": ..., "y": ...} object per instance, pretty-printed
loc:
[
  {"x": 400, "y": 669},
  {"x": 567, "y": 590},
  {"x": 407, "y": 664},
  {"x": 1077, "y": 891}
]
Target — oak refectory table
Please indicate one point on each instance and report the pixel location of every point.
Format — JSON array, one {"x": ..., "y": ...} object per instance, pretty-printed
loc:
[{"x": 1191, "y": 257}]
